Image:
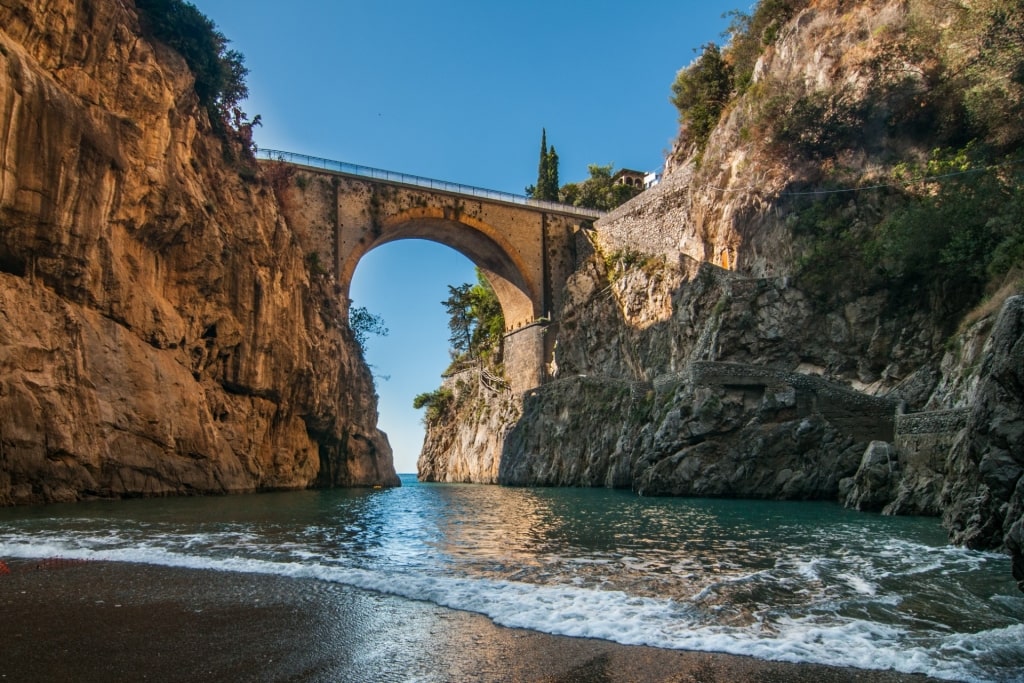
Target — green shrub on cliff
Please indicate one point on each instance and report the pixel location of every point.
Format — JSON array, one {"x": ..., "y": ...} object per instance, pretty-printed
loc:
[
  {"x": 219, "y": 72},
  {"x": 939, "y": 233},
  {"x": 700, "y": 93},
  {"x": 962, "y": 225},
  {"x": 750, "y": 34},
  {"x": 363, "y": 323},
  {"x": 436, "y": 402},
  {"x": 704, "y": 89}
]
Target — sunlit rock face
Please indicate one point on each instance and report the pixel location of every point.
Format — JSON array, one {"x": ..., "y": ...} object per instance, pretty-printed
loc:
[
  {"x": 465, "y": 432},
  {"x": 160, "y": 330}
]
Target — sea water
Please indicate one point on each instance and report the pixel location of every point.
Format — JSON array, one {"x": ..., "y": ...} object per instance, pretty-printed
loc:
[{"x": 797, "y": 582}]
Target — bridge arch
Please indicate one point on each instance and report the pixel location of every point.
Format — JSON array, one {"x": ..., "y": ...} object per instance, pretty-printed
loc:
[
  {"x": 526, "y": 248},
  {"x": 520, "y": 296}
]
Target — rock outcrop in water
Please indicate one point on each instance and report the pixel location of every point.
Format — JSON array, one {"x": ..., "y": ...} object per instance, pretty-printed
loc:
[
  {"x": 698, "y": 355},
  {"x": 983, "y": 492},
  {"x": 710, "y": 390},
  {"x": 485, "y": 409},
  {"x": 160, "y": 330}
]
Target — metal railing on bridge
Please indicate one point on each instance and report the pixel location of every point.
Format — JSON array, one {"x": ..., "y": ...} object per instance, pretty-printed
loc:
[{"x": 406, "y": 179}]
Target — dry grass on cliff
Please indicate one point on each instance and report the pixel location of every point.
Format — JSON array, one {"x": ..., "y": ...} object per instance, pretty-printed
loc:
[{"x": 1013, "y": 284}]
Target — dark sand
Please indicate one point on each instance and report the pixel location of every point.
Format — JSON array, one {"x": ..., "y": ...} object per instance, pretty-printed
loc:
[{"x": 124, "y": 622}]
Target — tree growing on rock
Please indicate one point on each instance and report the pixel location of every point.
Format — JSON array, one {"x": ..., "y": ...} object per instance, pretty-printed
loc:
[
  {"x": 700, "y": 93},
  {"x": 363, "y": 323},
  {"x": 546, "y": 188},
  {"x": 475, "y": 320}
]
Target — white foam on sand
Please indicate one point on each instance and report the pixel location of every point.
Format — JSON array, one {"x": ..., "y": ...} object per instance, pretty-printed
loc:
[{"x": 572, "y": 610}]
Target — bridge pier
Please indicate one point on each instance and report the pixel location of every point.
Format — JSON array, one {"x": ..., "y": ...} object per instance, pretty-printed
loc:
[{"x": 524, "y": 356}]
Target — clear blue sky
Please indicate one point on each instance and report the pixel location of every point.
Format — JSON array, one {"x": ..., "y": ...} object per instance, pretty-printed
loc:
[{"x": 459, "y": 91}]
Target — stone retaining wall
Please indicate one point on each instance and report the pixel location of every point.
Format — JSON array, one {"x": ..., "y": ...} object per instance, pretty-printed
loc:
[
  {"x": 924, "y": 439},
  {"x": 932, "y": 422},
  {"x": 861, "y": 415},
  {"x": 656, "y": 222},
  {"x": 711, "y": 372}
]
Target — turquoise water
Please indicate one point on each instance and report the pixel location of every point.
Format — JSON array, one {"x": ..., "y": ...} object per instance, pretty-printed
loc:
[{"x": 803, "y": 582}]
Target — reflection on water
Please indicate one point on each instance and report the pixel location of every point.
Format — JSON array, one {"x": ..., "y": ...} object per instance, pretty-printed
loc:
[{"x": 800, "y": 581}]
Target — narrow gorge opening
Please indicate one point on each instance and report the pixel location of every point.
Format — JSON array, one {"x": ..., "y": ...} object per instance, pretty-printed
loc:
[{"x": 405, "y": 282}]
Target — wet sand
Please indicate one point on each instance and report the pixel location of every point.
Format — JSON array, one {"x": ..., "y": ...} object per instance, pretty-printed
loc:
[{"x": 124, "y": 622}]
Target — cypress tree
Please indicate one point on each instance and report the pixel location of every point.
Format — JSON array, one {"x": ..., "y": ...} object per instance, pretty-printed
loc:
[
  {"x": 539, "y": 190},
  {"x": 551, "y": 177},
  {"x": 547, "y": 172}
]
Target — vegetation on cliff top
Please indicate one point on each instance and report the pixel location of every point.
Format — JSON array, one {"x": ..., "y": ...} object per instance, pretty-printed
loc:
[
  {"x": 700, "y": 93},
  {"x": 219, "y": 72},
  {"x": 599, "y": 191},
  {"x": 702, "y": 90},
  {"x": 909, "y": 179},
  {"x": 546, "y": 188},
  {"x": 951, "y": 74}
]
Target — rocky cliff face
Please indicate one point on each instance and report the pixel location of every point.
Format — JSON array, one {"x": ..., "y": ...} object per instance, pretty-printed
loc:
[
  {"x": 160, "y": 331},
  {"x": 466, "y": 431},
  {"x": 722, "y": 204},
  {"x": 694, "y": 381},
  {"x": 983, "y": 492},
  {"x": 691, "y": 361},
  {"x": 691, "y": 380}
]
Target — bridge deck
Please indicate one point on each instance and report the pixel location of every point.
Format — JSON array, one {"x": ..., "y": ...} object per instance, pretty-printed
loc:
[{"x": 343, "y": 168}]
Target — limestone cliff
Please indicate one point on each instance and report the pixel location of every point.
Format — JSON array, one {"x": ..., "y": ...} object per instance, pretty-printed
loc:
[
  {"x": 481, "y": 408},
  {"x": 160, "y": 330},
  {"x": 730, "y": 336},
  {"x": 691, "y": 380}
]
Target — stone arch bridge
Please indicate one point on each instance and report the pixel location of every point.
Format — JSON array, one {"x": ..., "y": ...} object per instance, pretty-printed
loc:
[{"x": 526, "y": 248}]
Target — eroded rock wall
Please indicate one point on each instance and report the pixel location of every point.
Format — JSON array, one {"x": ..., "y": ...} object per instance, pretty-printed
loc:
[
  {"x": 465, "y": 437},
  {"x": 881, "y": 395},
  {"x": 639, "y": 321},
  {"x": 983, "y": 496},
  {"x": 680, "y": 438},
  {"x": 160, "y": 330},
  {"x": 688, "y": 379},
  {"x": 865, "y": 405}
]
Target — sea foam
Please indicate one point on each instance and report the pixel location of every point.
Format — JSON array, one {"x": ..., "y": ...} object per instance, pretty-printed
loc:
[{"x": 615, "y": 616}]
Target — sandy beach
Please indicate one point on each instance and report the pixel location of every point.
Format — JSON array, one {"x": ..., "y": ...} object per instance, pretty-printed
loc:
[{"x": 126, "y": 622}]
